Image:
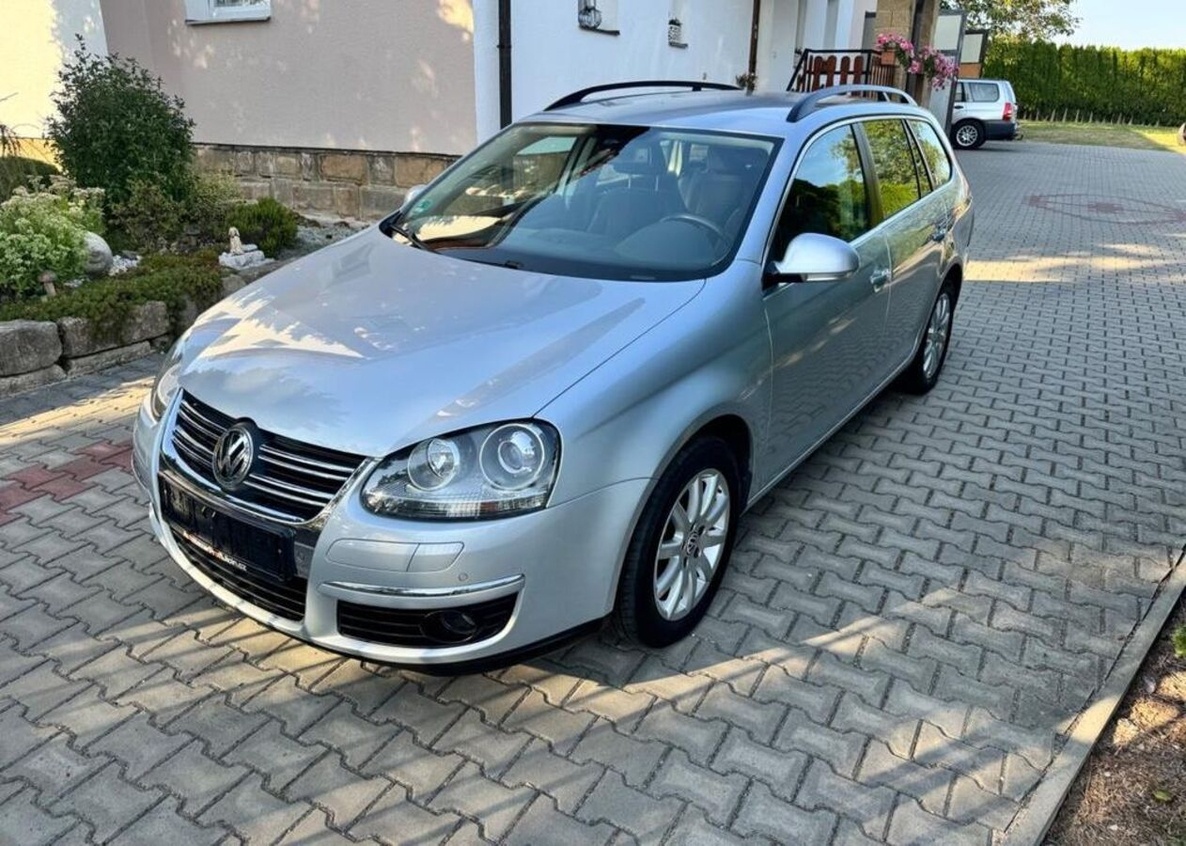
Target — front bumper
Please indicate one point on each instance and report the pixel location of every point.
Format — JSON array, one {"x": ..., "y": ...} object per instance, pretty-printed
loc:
[{"x": 555, "y": 570}]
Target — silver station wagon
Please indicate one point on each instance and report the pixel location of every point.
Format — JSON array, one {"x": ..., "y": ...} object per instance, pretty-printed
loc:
[{"x": 545, "y": 390}]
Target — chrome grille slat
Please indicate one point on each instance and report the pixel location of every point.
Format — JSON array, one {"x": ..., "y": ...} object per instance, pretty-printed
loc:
[
  {"x": 266, "y": 455},
  {"x": 289, "y": 492},
  {"x": 292, "y": 482},
  {"x": 200, "y": 423}
]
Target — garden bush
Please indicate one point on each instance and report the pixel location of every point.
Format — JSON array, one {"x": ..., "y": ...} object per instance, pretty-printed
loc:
[
  {"x": 265, "y": 223},
  {"x": 23, "y": 172},
  {"x": 108, "y": 303},
  {"x": 117, "y": 125},
  {"x": 43, "y": 231}
]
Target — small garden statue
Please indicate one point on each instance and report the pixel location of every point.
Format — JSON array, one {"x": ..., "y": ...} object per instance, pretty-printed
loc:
[{"x": 241, "y": 256}]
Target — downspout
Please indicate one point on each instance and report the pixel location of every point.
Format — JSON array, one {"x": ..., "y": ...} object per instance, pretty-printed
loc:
[
  {"x": 753, "y": 40},
  {"x": 504, "y": 63}
]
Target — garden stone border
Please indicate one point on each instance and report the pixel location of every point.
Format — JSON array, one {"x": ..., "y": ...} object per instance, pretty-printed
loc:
[{"x": 35, "y": 353}]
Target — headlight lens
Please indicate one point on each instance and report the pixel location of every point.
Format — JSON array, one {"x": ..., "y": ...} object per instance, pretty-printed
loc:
[
  {"x": 493, "y": 471},
  {"x": 166, "y": 383}
]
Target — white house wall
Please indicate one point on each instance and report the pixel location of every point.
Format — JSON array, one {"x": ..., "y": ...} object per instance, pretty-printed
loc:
[
  {"x": 551, "y": 55},
  {"x": 36, "y": 37},
  {"x": 338, "y": 74}
]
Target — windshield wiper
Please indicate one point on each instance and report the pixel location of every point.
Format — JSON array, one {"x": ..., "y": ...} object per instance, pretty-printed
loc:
[{"x": 390, "y": 227}]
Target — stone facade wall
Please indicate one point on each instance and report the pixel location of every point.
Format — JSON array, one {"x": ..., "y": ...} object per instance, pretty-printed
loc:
[{"x": 353, "y": 184}]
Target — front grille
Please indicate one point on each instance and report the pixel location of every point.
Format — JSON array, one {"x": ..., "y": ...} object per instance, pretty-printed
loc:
[
  {"x": 291, "y": 481},
  {"x": 420, "y": 628},
  {"x": 284, "y": 599}
]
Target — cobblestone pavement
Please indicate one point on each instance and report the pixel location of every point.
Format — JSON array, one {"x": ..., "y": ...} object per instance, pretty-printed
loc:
[{"x": 913, "y": 622}]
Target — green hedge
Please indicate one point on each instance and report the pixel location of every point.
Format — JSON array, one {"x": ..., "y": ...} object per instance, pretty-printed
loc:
[
  {"x": 174, "y": 280},
  {"x": 1092, "y": 83}
]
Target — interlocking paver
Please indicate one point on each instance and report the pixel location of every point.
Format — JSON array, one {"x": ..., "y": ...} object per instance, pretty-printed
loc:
[{"x": 912, "y": 619}]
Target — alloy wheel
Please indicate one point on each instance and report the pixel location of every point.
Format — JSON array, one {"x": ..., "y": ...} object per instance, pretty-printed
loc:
[
  {"x": 938, "y": 331},
  {"x": 692, "y": 544}
]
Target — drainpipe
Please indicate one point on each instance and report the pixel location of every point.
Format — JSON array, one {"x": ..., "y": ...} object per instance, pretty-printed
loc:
[
  {"x": 753, "y": 39},
  {"x": 504, "y": 63}
]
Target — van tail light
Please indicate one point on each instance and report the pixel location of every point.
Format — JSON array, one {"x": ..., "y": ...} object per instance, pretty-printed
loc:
[{"x": 1008, "y": 115}]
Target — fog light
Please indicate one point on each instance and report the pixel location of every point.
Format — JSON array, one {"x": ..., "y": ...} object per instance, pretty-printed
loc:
[{"x": 450, "y": 626}]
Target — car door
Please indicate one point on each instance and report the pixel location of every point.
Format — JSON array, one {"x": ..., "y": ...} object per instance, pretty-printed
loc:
[
  {"x": 827, "y": 338},
  {"x": 913, "y": 227}
]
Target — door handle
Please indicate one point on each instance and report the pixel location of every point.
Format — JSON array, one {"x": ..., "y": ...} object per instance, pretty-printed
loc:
[
  {"x": 940, "y": 233},
  {"x": 879, "y": 278}
]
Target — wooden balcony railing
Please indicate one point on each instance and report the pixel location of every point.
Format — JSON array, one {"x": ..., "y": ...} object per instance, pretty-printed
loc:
[{"x": 821, "y": 68}]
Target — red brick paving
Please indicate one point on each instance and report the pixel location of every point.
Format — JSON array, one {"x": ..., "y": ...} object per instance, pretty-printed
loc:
[{"x": 62, "y": 482}]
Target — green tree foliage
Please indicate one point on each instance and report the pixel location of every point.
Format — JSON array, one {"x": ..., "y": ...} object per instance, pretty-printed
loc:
[
  {"x": 116, "y": 125},
  {"x": 1030, "y": 20},
  {"x": 1097, "y": 83}
]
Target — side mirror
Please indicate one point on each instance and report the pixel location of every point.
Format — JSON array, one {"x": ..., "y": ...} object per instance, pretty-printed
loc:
[{"x": 817, "y": 258}]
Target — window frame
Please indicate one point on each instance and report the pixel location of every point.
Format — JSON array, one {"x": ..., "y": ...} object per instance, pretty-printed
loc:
[
  {"x": 202, "y": 12},
  {"x": 935, "y": 186}
]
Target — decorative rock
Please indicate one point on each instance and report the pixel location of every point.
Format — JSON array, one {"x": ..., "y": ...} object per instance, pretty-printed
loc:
[
  {"x": 107, "y": 358},
  {"x": 98, "y": 255},
  {"x": 79, "y": 337},
  {"x": 27, "y": 346},
  {"x": 250, "y": 258},
  {"x": 10, "y": 385},
  {"x": 123, "y": 263}
]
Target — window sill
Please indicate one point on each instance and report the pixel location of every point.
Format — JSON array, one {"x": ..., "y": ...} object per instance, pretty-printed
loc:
[
  {"x": 601, "y": 31},
  {"x": 681, "y": 45},
  {"x": 240, "y": 17}
]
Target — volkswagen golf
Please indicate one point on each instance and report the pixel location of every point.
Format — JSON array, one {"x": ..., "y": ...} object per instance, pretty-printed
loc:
[{"x": 544, "y": 391}]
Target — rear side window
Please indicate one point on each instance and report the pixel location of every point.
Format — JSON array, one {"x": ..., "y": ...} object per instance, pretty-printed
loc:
[
  {"x": 894, "y": 162},
  {"x": 982, "y": 92},
  {"x": 828, "y": 194},
  {"x": 933, "y": 151}
]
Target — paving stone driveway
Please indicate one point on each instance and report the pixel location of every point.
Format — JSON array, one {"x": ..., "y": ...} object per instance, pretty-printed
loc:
[{"x": 912, "y": 623}]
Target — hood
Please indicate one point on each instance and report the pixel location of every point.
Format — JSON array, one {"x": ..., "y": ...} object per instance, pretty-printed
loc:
[{"x": 369, "y": 345}]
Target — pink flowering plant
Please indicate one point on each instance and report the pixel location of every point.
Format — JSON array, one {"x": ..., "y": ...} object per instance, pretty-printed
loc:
[{"x": 932, "y": 64}]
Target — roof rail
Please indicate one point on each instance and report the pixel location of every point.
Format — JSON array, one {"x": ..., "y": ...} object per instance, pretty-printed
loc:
[
  {"x": 695, "y": 85},
  {"x": 809, "y": 103}
]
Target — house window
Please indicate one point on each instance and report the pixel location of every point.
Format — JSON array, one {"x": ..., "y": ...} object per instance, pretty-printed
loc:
[
  {"x": 225, "y": 11},
  {"x": 598, "y": 16}
]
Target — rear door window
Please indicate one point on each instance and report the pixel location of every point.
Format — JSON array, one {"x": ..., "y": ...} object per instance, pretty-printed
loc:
[{"x": 895, "y": 164}]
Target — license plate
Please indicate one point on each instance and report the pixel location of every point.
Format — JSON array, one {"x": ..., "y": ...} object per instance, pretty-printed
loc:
[{"x": 237, "y": 544}]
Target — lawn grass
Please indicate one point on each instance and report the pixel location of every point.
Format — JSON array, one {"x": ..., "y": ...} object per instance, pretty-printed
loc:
[{"x": 1104, "y": 135}]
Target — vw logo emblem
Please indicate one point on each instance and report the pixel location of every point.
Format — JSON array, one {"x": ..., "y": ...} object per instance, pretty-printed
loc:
[{"x": 234, "y": 455}]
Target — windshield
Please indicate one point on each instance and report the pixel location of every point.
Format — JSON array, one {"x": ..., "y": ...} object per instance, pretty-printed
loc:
[{"x": 611, "y": 202}]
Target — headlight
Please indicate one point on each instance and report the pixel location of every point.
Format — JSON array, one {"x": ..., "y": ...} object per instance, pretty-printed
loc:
[
  {"x": 166, "y": 383},
  {"x": 493, "y": 471}
]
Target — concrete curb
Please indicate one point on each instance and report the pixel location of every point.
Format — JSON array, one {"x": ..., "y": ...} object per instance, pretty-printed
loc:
[{"x": 1030, "y": 826}]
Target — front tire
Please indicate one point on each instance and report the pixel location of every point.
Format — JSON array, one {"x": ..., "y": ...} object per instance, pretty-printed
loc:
[
  {"x": 923, "y": 372},
  {"x": 968, "y": 135},
  {"x": 681, "y": 546}
]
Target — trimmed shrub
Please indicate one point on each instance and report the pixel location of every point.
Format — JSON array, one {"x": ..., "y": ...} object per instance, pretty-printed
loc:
[
  {"x": 265, "y": 223},
  {"x": 23, "y": 172},
  {"x": 116, "y": 125},
  {"x": 175, "y": 280},
  {"x": 1092, "y": 83}
]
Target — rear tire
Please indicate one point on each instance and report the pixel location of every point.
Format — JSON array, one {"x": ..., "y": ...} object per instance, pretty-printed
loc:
[
  {"x": 968, "y": 135},
  {"x": 681, "y": 546},
  {"x": 923, "y": 371}
]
